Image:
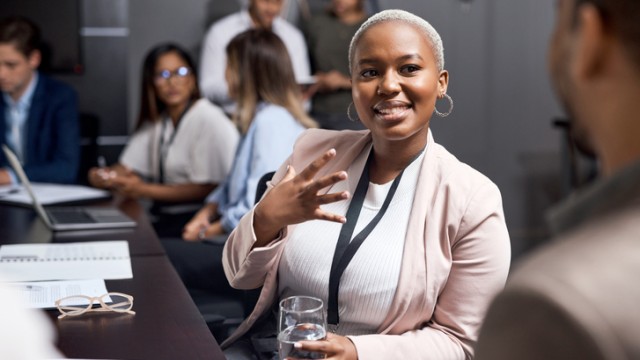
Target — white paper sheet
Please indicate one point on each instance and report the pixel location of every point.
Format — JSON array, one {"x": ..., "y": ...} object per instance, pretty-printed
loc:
[
  {"x": 48, "y": 194},
  {"x": 43, "y": 294},
  {"x": 66, "y": 261}
]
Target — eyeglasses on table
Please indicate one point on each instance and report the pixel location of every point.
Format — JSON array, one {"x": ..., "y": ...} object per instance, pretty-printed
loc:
[{"x": 79, "y": 304}]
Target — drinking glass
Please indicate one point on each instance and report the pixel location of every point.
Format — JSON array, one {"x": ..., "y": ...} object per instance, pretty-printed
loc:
[{"x": 300, "y": 318}]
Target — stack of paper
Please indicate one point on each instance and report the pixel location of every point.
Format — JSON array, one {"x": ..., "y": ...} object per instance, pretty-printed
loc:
[{"x": 65, "y": 261}]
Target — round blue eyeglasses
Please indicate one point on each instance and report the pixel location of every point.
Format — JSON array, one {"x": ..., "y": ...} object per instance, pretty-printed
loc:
[{"x": 179, "y": 73}]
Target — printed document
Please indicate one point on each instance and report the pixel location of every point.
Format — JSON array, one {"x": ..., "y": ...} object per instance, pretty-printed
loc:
[
  {"x": 43, "y": 294},
  {"x": 66, "y": 261}
]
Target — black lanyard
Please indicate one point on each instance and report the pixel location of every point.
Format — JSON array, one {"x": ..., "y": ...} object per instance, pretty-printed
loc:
[
  {"x": 345, "y": 249},
  {"x": 162, "y": 155}
]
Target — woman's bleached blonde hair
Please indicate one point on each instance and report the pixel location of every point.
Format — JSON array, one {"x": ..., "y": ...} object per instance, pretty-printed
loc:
[{"x": 403, "y": 17}]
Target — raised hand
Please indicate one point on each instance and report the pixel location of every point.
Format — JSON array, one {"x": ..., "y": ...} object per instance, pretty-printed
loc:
[{"x": 295, "y": 199}]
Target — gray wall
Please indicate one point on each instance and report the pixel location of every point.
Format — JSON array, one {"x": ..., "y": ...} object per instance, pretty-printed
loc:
[{"x": 495, "y": 51}]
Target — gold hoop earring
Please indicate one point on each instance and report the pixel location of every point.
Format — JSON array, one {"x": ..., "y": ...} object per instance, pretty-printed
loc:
[
  {"x": 349, "y": 113},
  {"x": 445, "y": 114}
]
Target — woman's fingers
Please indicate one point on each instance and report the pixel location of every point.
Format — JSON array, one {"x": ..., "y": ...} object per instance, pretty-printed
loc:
[
  {"x": 312, "y": 169},
  {"x": 322, "y": 215},
  {"x": 326, "y": 181},
  {"x": 331, "y": 198}
]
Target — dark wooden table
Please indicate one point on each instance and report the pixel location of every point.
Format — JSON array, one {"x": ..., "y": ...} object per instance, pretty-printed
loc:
[
  {"x": 167, "y": 324},
  {"x": 22, "y": 225}
]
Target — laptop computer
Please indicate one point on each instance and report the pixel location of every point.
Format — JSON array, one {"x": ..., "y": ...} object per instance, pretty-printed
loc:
[{"x": 72, "y": 217}]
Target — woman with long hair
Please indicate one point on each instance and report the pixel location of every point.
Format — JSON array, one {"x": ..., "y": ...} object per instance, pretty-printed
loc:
[
  {"x": 270, "y": 116},
  {"x": 183, "y": 145}
]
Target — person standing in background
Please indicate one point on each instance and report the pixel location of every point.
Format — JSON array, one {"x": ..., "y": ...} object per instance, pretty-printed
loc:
[
  {"x": 38, "y": 115},
  {"x": 328, "y": 36},
  {"x": 260, "y": 14},
  {"x": 577, "y": 298}
]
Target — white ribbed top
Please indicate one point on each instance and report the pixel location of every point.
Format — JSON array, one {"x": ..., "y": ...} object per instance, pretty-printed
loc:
[{"x": 369, "y": 282}]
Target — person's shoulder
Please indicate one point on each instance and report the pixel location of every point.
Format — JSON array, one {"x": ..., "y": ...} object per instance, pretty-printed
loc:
[
  {"x": 204, "y": 115},
  {"x": 286, "y": 30},
  {"x": 606, "y": 251},
  {"x": 270, "y": 114},
  {"x": 317, "y": 141},
  {"x": 229, "y": 21},
  {"x": 53, "y": 87},
  {"x": 205, "y": 109},
  {"x": 586, "y": 275},
  {"x": 454, "y": 173}
]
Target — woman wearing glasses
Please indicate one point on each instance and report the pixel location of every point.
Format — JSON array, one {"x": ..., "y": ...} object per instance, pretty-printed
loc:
[{"x": 183, "y": 146}]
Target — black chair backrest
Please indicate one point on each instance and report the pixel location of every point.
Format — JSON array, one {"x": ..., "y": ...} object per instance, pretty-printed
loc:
[{"x": 262, "y": 185}]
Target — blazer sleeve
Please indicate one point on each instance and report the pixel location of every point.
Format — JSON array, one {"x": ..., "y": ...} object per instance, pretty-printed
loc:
[
  {"x": 64, "y": 159},
  {"x": 244, "y": 267},
  {"x": 480, "y": 257}
]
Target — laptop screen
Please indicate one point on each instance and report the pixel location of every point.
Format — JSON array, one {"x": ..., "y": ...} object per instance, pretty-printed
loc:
[{"x": 17, "y": 167}]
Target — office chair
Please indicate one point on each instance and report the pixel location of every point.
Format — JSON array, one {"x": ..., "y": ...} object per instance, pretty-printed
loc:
[
  {"x": 89, "y": 131},
  {"x": 223, "y": 314}
]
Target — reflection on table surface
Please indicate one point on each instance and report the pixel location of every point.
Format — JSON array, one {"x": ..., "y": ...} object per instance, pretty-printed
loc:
[{"x": 167, "y": 324}]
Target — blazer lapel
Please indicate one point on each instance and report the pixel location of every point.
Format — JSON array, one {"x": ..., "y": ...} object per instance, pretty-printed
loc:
[{"x": 413, "y": 274}]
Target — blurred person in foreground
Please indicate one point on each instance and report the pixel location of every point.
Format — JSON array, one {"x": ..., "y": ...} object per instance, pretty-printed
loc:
[
  {"x": 25, "y": 334},
  {"x": 38, "y": 115},
  {"x": 430, "y": 246},
  {"x": 577, "y": 298}
]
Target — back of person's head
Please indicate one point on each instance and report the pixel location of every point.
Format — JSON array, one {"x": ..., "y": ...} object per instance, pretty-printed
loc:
[
  {"x": 151, "y": 107},
  {"x": 622, "y": 19},
  {"x": 405, "y": 17},
  {"x": 259, "y": 69},
  {"x": 20, "y": 32}
]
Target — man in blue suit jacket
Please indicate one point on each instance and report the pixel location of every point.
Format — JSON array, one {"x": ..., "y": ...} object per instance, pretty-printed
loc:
[{"x": 38, "y": 115}]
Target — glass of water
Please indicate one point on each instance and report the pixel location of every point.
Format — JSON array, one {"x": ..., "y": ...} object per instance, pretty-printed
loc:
[{"x": 300, "y": 318}]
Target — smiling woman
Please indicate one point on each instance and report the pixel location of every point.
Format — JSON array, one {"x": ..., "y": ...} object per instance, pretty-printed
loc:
[{"x": 384, "y": 225}]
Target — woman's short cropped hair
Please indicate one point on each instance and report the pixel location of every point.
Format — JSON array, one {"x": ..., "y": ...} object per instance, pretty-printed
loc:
[{"x": 407, "y": 18}]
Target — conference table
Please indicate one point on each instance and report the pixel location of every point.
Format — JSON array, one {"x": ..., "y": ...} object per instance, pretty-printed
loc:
[{"x": 167, "y": 324}]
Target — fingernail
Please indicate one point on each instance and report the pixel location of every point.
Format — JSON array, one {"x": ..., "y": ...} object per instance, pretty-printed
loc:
[
  {"x": 297, "y": 345},
  {"x": 332, "y": 151}
]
